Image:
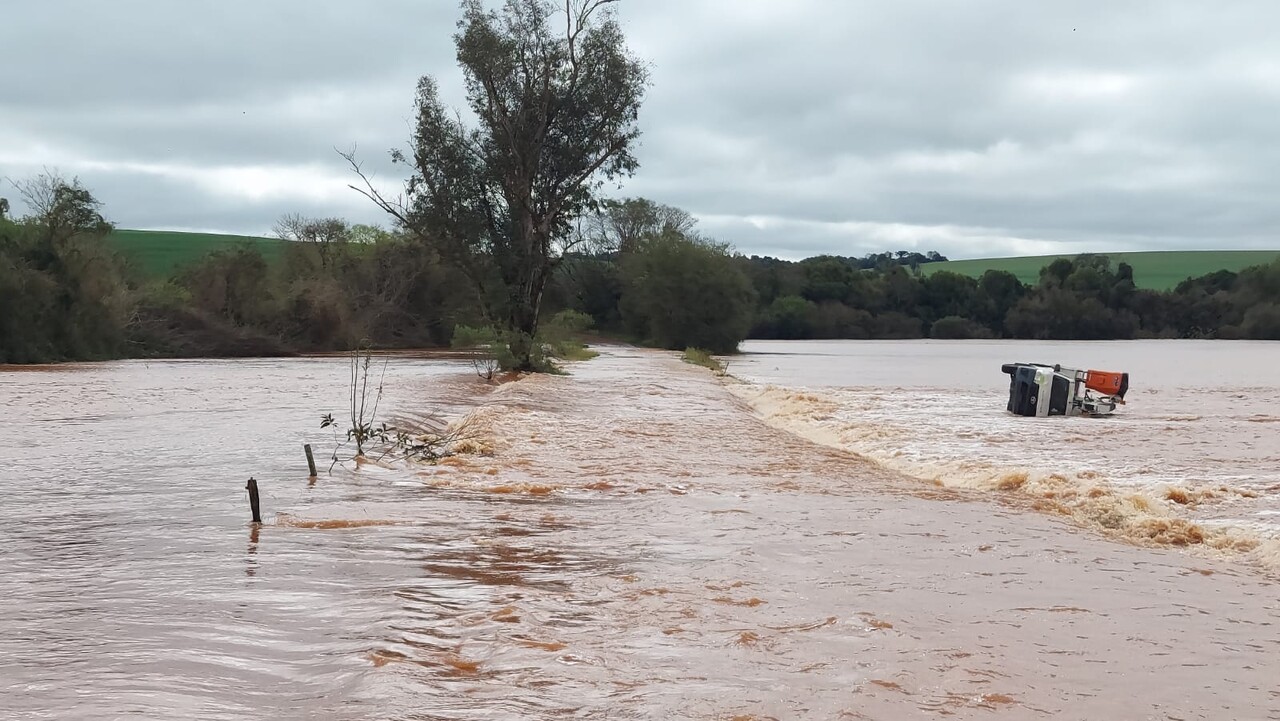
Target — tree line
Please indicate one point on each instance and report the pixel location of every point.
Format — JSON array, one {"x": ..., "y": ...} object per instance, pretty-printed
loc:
[
  {"x": 638, "y": 271},
  {"x": 502, "y": 224},
  {"x": 1084, "y": 298},
  {"x": 66, "y": 295}
]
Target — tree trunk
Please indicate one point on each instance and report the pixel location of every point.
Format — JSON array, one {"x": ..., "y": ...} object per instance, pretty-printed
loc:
[
  {"x": 526, "y": 298},
  {"x": 523, "y": 327}
]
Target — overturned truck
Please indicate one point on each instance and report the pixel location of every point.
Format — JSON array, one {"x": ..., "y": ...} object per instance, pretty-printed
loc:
[{"x": 1036, "y": 389}]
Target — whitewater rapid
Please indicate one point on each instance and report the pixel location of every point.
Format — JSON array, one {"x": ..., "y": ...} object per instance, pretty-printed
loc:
[{"x": 1191, "y": 460}]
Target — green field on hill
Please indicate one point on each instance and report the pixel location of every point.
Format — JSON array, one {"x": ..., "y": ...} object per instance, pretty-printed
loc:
[
  {"x": 157, "y": 253},
  {"x": 1156, "y": 270}
]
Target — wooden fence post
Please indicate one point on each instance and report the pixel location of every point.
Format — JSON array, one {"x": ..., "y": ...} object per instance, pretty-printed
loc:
[
  {"x": 252, "y": 487},
  {"x": 311, "y": 461}
]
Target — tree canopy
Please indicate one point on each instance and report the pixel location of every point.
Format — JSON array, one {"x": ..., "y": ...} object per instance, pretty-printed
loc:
[{"x": 555, "y": 94}]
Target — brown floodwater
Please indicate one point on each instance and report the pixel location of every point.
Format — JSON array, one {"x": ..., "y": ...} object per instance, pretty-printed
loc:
[
  {"x": 1198, "y": 440},
  {"x": 629, "y": 541}
]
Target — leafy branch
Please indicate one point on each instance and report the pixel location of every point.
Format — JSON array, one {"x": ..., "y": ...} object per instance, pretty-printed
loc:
[{"x": 425, "y": 438}]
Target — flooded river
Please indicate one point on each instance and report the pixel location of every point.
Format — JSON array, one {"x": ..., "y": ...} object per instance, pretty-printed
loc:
[
  {"x": 633, "y": 543},
  {"x": 1199, "y": 437}
]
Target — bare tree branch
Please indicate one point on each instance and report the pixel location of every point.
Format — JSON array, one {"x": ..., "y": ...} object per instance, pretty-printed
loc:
[{"x": 395, "y": 208}]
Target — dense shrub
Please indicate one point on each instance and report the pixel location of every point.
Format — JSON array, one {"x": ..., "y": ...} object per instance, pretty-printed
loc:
[
  {"x": 681, "y": 292},
  {"x": 63, "y": 294},
  {"x": 954, "y": 327}
]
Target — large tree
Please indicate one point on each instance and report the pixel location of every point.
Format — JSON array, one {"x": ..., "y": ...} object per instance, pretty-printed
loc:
[
  {"x": 681, "y": 291},
  {"x": 621, "y": 226},
  {"x": 555, "y": 95},
  {"x": 62, "y": 294}
]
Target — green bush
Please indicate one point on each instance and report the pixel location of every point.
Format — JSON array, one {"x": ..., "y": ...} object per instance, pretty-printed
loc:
[
  {"x": 490, "y": 348},
  {"x": 570, "y": 322},
  {"x": 685, "y": 292},
  {"x": 559, "y": 336},
  {"x": 954, "y": 327},
  {"x": 1261, "y": 322},
  {"x": 700, "y": 357},
  {"x": 837, "y": 320},
  {"x": 897, "y": 326},
  {"x": 62, "y": 291},
  {"x": 792, "y": 317},
  {"x": 490, "y": 352}
]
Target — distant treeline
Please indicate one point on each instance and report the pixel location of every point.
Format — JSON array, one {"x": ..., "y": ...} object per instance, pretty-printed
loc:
[
  {"x": 1085, "y": 298},
  {"x": 640, "y": 270}
]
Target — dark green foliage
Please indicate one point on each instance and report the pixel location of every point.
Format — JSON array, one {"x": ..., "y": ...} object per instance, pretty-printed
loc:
[
  {"x": 998, "y": 292},
  {"x": 954, "y": 327},
  {"x": 358, "y": 285},
  {"x": 837, "y": 320},
  {"x": 1081, "y": 298},
  {"x": 595, "y": 286},
  {"x": 899, "y": 291},
  {"x": 1077, "y": 299},
  {"x": 1060, "y": 315},
  {"x": 556, "y": 95},
  {"x": 897, "y": 325},
  {"x": 65, "y": 296},
  {"x": 790, "y": 318},
  {"x": 1262, "y": 322},
  {"x": 681, "y": 292},
  {"x": 62, "y": 291},
  {"x": 772, "y": 278},
  {"x": 829, "y": 278},
  {"x": 949, "y": 294}
]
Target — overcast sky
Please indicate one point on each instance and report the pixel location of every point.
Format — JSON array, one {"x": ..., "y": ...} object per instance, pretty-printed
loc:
[{"x": 976, "y": 128}]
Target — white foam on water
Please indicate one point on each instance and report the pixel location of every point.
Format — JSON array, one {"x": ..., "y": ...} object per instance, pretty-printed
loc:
[{"x": 1188, "y": 446}]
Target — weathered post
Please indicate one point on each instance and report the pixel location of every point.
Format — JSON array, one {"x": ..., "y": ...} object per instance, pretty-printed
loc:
[
  {"x": 252, "y": 487},
  {"x": 311, "y": 461}
]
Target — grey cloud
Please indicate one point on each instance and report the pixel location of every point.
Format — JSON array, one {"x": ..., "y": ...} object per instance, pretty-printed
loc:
[
  {"x": 89, "y": 54},
  {"x": 791, "y": 128}
]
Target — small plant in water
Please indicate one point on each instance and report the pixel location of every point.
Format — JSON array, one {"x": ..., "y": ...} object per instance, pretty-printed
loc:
[
  {"x": 424, "y": 438},
  {"x": 362, "y": 429}
]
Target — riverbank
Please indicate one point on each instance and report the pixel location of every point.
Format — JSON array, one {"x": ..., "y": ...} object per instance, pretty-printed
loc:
[{"x": 675, "y": 557}]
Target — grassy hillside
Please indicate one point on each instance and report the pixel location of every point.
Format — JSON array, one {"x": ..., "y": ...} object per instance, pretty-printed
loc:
[
  {"x": 158, "y": 253},
  {"x": 1157, "y": 270}
]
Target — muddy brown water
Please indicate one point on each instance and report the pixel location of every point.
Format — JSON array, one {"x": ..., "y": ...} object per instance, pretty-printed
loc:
[
  {"x": 1199, "y": 438},
  {"x": 639, "y": 545}
]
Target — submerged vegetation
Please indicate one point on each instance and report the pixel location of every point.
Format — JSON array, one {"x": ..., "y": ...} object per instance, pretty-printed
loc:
[
  {"x": 489, "y": 347},
  {"x": 424, "y": 438},
  {"x": 700, "y": 357}
]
